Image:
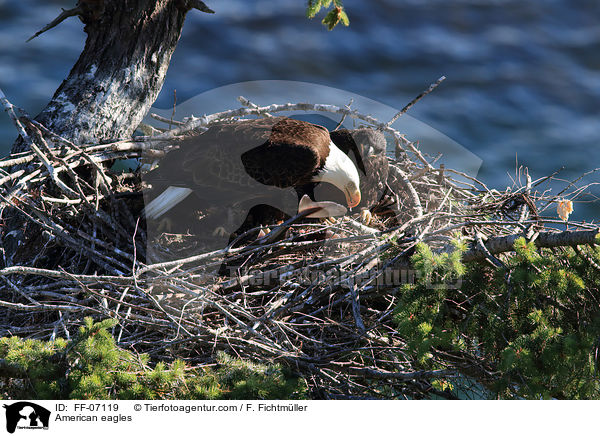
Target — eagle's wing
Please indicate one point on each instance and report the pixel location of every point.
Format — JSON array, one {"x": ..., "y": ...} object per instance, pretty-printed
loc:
[
  {"x": 292, "y": 156},
  {"x": 281, "y": 164},
  {"x": 211, "y": 159},
  {"x": 276, "y": 151}
]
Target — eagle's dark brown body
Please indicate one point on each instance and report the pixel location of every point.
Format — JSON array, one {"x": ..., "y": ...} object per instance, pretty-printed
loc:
[{"x": 263, "y": 166}]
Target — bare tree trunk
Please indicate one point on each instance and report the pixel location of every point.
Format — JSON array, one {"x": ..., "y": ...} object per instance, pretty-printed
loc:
[
  {"x": 120, "y": 71},
  {"x": 114, "y": 82}
]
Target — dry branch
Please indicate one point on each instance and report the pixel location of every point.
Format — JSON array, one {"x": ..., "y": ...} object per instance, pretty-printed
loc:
[
  {"x": 200, "y": 5},
  {"x": 323, "y": 306},
  {"x": 502, "y": 244},
  {"x": 66, "y": 13},
  {"x": 415, "y": 100}
]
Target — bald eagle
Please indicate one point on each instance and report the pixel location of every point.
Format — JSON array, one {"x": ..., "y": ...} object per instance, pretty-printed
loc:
[
  {"x": 367, "y": 147},
  {"x": 252, "y": 162}
]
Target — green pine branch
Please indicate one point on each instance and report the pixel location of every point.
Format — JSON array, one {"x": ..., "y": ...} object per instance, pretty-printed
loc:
[
  {"x": 91, "y": 366},
  {"x": 529, "y": 329},
  {"x": 336, "y": 15}
]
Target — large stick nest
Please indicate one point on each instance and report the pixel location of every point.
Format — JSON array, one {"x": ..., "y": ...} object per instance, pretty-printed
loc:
[{"x": 322, "y": 306}]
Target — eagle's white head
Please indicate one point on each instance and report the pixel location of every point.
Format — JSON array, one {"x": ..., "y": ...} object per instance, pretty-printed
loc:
[{"x": 340, "y": 171}]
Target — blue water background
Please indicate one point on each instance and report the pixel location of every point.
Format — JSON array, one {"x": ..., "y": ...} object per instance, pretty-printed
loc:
[{"x": 523, "y": 77}]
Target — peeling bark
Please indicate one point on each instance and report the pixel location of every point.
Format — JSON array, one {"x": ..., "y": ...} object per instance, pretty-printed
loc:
[
  {"x": 120, "y": 71},
  {"x": 113, "y": 84}
]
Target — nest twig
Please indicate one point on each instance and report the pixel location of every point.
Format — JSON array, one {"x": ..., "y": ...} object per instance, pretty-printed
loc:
[{"x": 325, "y": 309}]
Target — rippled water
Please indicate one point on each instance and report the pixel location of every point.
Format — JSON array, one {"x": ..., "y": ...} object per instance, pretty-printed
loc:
[{"x": 523, "y": 77}]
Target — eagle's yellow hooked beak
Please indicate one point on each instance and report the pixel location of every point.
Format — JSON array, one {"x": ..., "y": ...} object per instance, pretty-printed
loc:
[{"x": 352, "y": 194}]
